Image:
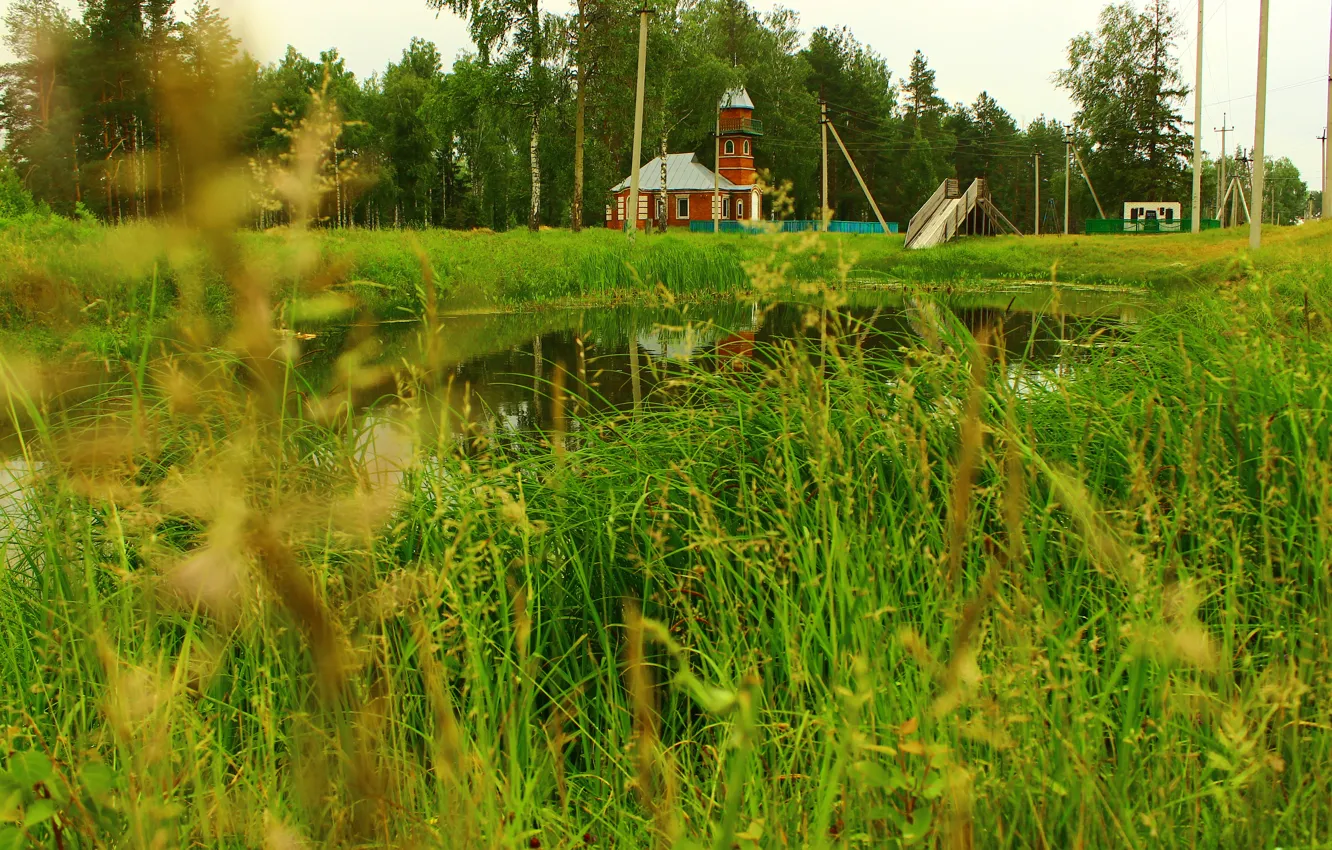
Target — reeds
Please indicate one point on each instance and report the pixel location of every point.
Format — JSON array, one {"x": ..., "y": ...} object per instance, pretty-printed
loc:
[
  {"x": 850, "y": 596},
  {"x": 884, "y": 600}
]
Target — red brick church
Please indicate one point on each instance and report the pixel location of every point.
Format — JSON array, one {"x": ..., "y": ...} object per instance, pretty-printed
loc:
[{"x": 690, "y": 184}]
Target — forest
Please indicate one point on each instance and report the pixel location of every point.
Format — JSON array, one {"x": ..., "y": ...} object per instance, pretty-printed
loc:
[{"x": 533, "y": 125}]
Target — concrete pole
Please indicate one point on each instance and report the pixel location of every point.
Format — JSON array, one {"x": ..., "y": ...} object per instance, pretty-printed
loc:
[
  {"x": 1221, "y": 178},
  {"x": 1197, "y": 130},
  {"x": 824, "y": 212},
  {"x": 1036, "y": 228},
  {"x": 1068, "y": 175},
  {"x": 1259, "y": 131},
  {"x": 1327, "y": 149},
  {"x": 1326, "y": 164},
  {"x": 631, "y": 214}
]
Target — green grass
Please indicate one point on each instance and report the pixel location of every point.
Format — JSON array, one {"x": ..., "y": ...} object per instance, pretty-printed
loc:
[
  {"x": 884, "y": 601},
  {"x": 76, "y": 286}
]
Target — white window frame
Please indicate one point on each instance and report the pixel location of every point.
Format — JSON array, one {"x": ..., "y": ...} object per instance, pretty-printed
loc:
[
  {"x": 619, "y": 206},
  {"x": 747, "y": 147},
  {"x": 643, "y": 207},
  {"x": 682, "y": 202},
  {"x": 739, "y": 209},
  {"x": 726, "y": 207},
  {"x": 729, "y": 150}
]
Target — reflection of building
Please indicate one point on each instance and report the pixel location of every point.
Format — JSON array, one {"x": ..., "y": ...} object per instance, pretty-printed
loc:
[
  {"x": 690, "y": 184},
  {"x": 678, "y": 343}
]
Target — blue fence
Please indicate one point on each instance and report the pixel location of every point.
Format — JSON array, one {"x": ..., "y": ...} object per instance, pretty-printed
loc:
[{"x": 872, "y": 228}]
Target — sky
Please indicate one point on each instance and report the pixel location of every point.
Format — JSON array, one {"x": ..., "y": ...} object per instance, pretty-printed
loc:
[{"x": 1010, "y": 48}]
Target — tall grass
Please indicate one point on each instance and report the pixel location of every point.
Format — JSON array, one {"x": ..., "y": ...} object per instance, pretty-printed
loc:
[
  {"x": 839, "y": 599},
  {"x": 73, "y": 286}
]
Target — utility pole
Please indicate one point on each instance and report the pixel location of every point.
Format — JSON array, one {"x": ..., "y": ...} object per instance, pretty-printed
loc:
[
  {"x": 631, "y": 214},
  {"x": 1068, "y": 173},
  {"x": 716, "y": 178},
  {"x": 1259, "y": 130},
  {"x": 1221, "y": 178},
  {"x": 1327, "y": 166},
  {"x": 1197, "y": 130},
  {"x": 825, "y": 210},
  {"x": 1327, "y": 149},
  {"x": 837, "y": 137},
  {"x": 1037, "y": 227}
]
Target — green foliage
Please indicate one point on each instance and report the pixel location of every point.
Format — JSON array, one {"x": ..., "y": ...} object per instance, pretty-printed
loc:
[
  {"x": 921, "y": 593},
  {"x": 1126, "y": 81},
  {"x": 15, "y": 201},
  {"x": 114, "y": 109}
]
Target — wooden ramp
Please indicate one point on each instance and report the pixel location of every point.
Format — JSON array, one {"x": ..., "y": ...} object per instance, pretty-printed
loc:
[{"x": 950, "y": 213}]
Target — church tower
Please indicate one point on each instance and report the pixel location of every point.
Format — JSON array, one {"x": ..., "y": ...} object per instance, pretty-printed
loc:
[{"x": 739, "y": 134}]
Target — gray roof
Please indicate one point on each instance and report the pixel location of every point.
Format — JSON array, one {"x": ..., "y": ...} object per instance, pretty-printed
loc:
[
  {"x": 684, "y": 173},
  {"x": 736, "y": 99}
]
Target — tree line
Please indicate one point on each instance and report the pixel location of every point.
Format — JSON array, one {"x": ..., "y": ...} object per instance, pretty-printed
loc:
[{"x": 104, "y": 114}]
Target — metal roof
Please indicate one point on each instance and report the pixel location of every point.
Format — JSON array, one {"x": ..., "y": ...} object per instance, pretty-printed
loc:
[
  {"x": 736, "y": 99},
  {"x": 684, "y": 173}
]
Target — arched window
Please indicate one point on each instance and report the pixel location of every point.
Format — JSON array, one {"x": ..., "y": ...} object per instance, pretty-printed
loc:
[
  {"x": 746, "y": 148},
  {"x": 730, "y": 147}
]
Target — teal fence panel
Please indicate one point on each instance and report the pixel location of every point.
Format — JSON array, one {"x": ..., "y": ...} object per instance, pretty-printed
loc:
[
  {"x": 1116, "y": 226},
  {"x": 868, "y": 228}
]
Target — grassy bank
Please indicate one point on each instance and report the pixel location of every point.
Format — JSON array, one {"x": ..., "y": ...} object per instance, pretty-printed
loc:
[
  {"x": 68, "y": 283},
  {"x": 839, "y": 601}
]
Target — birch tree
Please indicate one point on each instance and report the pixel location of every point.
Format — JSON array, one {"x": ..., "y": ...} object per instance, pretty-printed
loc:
[{"x": 515, "y": 24}]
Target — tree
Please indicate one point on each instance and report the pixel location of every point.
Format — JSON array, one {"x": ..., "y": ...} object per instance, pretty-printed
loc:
[
  {"x": 858, "y": 87},
  {"x": 924, "y": 107},
  {"x": 1129, "y": 89},
  {"x": 593, "y": 29},
  {"x": 117, "y": 94},
  {"x": 493, "y": 23},
  {"x": 38, "y": 116},
  {"x": 1287, "y": 193}
]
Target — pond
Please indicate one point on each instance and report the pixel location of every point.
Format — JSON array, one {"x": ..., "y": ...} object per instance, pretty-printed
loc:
[{"x": 502, "y": 366}]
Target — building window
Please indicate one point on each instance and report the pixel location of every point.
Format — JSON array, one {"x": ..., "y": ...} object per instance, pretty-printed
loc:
[
  {"x": 739, "y": 209},
  {"x": 619, "y": 207},
  {"x": 642, "y": 207},
  {"x": 746, "y": 148},
  {"x": 726, "y": 207},
  {"x": 730, "y": 147},
  {"x": 608, "y": 212},
  {"x": 682, "y": 207}
]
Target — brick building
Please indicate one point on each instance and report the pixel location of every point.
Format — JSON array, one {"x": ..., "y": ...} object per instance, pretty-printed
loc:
[{"x": 690, "y": 185}]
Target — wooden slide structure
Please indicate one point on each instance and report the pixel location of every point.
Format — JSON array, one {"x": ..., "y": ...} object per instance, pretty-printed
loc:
[{"x": 950, "y": 213}]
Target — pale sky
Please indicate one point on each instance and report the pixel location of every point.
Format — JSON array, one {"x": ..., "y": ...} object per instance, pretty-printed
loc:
[{"x": 1010, "y": 48}]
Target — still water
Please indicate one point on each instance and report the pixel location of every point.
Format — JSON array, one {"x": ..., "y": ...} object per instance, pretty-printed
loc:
[{"x": 503, "y": 366}]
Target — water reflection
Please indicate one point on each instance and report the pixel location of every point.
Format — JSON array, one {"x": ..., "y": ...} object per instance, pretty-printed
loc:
[{"x": 503, "y": 367}]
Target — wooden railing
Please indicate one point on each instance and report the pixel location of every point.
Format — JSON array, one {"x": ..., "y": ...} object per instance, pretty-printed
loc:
[{"x": 748, "y": 126}]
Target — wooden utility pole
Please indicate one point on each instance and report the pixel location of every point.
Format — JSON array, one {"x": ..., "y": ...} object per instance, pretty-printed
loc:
[
  {"x": 825, "y": 211},
  {"x": 1221, "y": 178},
  {"x": 1197, "y": 130},
  {"x": 861, "y": 180},
  {"x": 1036, "y": 228},
  {"x": 1068, "y": 174},
  {"x": 1259, "y": 131},
  {"x": 1087, "y": 178},
  {"x": 631, "y": 214}
]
